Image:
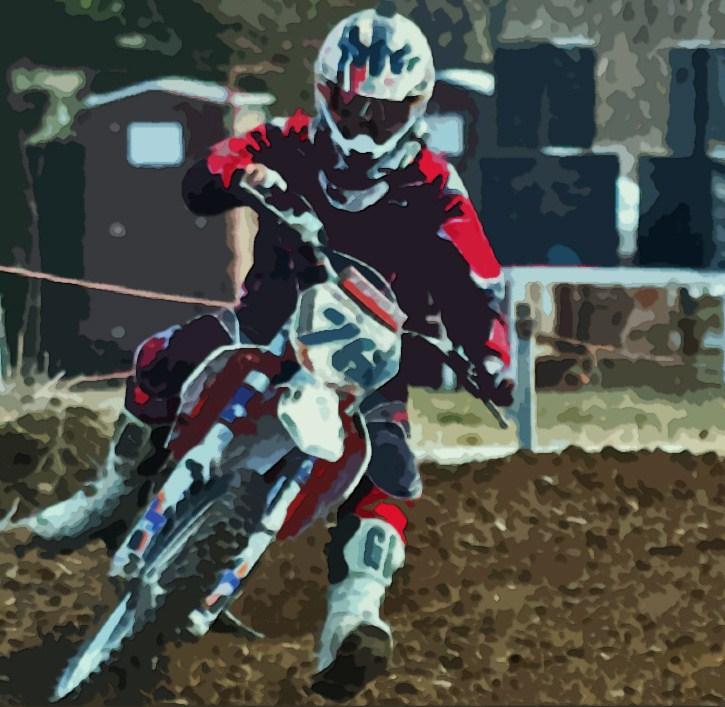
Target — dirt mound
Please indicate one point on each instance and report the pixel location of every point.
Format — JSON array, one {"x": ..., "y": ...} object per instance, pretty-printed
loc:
[
  {"x": 47, "y": 456},
  {"x": 570, "y": 578}
]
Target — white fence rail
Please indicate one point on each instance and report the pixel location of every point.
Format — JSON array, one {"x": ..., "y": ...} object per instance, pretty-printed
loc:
[{"x": 530, "y": 288}]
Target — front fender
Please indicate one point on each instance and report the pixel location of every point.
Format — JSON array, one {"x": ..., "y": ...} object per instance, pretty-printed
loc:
[
  {"x": 309, "y": 411},
  {"x": 331, "y": 483}
]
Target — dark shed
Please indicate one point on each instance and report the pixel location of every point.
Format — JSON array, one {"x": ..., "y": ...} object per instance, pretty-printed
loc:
[{"x": 110, "y": 211}]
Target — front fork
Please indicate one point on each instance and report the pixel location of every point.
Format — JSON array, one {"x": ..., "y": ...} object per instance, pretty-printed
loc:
[
  {"x": 250, "y": 400},
  {"x": 231, "y": 581},
  {"x": 194, "y": 467}
]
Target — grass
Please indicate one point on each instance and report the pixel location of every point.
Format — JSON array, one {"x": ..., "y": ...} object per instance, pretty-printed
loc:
[
  {"x": 587, "y": 418},
  {"x": 38, "y": 393}
]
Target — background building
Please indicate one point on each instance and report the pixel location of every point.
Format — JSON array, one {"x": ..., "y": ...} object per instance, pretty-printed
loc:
[
  {"x": 110, "y": 211},
  {"x": 587, "y": 133}
]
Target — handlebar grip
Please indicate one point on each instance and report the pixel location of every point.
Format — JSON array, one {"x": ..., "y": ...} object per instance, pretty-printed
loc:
[
  {"x": 462, "y": 367},
  {"x": 272, "y": 178},
  {"x": 292, "y": 209}
]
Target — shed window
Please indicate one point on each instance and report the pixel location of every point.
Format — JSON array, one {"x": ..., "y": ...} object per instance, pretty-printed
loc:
[
  {"x": 155, "y": 144},
  {"x": 445, "y": 133}
]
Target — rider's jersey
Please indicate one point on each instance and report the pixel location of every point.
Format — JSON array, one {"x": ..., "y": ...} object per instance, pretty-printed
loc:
[{"x": 422, "y": 234}]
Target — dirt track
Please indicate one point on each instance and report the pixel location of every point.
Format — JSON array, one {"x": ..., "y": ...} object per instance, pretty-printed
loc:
[{"x": 573, "y": 578}]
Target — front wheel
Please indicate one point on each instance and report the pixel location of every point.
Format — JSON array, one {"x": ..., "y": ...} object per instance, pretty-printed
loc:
[{"x": 156, "y": 607}]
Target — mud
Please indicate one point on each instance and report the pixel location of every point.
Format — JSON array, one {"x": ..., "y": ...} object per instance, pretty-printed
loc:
[
  {"x": 46, "y": 457},
  {"x": 536, "y": 579}
]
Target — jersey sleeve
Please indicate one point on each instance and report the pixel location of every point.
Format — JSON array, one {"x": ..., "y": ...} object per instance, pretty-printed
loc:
[
  {"x": 467, "y": 282},
  {"x": 211, "y": 185}
]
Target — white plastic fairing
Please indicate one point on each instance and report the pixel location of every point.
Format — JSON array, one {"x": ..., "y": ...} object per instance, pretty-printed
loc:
[
  {"x": 309, "y": 413},
  {"x": 211, "y": 366},
  {"x": 344, "y": 345}
]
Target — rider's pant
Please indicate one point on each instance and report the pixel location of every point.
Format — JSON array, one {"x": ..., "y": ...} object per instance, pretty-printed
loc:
[{"x": 165, "y": 360}]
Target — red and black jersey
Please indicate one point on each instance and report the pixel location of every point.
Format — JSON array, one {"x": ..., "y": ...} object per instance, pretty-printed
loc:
[{"x": 423, "y": 235}]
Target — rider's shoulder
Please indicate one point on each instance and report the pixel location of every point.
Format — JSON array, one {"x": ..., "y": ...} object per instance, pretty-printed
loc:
[
  {"x": 265, "y": 134},
  {"x": 434, "y": 168},
  {"x": 295, "y": 125}
]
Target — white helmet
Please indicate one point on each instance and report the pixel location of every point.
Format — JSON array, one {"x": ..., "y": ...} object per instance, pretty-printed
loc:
[{"x": 374, "y": 76}]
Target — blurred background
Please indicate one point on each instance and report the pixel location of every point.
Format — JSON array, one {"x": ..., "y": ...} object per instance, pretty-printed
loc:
[{"x": 589, "y": 133}]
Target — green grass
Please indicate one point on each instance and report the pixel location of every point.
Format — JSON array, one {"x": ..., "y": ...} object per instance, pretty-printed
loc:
[{"x": 588, "y": 417}]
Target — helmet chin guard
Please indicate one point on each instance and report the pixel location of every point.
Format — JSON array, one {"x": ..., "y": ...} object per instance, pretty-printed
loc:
[{"x": 362, "y": 143}]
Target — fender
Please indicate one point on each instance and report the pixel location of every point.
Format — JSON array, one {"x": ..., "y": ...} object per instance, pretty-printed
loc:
[
  {"x": 208, "y": 392},
  {"x": 309, "y": 411},
  {"x": 331, "y": 483}
]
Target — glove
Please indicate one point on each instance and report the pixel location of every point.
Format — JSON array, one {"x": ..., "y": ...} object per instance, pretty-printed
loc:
[
  {"x": 489, "y": 378},
  {"x": 485, "y": 380},
  {"x": 273, "y": 192}
]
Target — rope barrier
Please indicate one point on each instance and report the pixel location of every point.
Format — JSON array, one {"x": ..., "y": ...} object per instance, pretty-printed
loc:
[
  {"x": 116, "y": 289},
  {"x": 118, "y": 375}
]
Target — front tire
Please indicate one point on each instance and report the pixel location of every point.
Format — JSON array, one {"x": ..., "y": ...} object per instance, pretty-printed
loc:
[{"x": 205, "y": 543}]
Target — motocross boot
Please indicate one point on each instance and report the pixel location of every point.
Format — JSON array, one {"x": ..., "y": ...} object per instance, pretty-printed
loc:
[
  {"x": 356, "y": 643},
  {"x": 100, "y": 509}
]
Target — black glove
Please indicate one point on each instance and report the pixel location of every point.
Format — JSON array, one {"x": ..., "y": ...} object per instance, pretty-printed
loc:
[
  {"x": 485, "y": 380},
  {"x": 488, "y": 378}
]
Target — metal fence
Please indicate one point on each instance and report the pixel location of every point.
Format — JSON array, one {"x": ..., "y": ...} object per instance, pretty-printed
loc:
[{"x": 530, "y": 289}]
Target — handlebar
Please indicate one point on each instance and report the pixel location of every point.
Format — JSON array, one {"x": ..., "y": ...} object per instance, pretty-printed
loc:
[
  {"x": 299, "y": 215},
  {"x": 461, "y": 366}
]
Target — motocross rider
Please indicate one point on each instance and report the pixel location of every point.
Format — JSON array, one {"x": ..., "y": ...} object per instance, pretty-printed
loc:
[{"x": 388, "y": 200}]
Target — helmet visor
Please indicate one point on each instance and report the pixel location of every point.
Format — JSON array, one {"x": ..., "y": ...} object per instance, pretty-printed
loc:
[{"x": 354, "y": 115}]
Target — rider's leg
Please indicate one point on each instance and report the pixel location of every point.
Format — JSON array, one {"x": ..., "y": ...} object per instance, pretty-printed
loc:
[
  {"x": 162, "y": 364},
  {"x": 366, "y": 547}
]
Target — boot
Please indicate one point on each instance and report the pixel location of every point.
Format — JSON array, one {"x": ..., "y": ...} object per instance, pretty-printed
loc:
[
  {"x": 356, "y": 643},
  {"x": 116, "y": 490}
]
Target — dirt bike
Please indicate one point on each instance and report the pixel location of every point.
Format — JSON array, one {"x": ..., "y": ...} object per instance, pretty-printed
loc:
[{"x": 267, "y": 440}]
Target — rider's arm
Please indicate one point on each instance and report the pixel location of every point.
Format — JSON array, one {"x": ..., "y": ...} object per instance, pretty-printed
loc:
[
  {"x": 211, "y": 186},
  {"x": 470, "y": 303},
  {"x": 467, "y": 280}
]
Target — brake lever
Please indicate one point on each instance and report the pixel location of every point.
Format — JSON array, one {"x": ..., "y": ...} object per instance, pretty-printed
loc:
[
  {"x": 460, "y": 365},
  {"x": 473, "y": 389}
]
